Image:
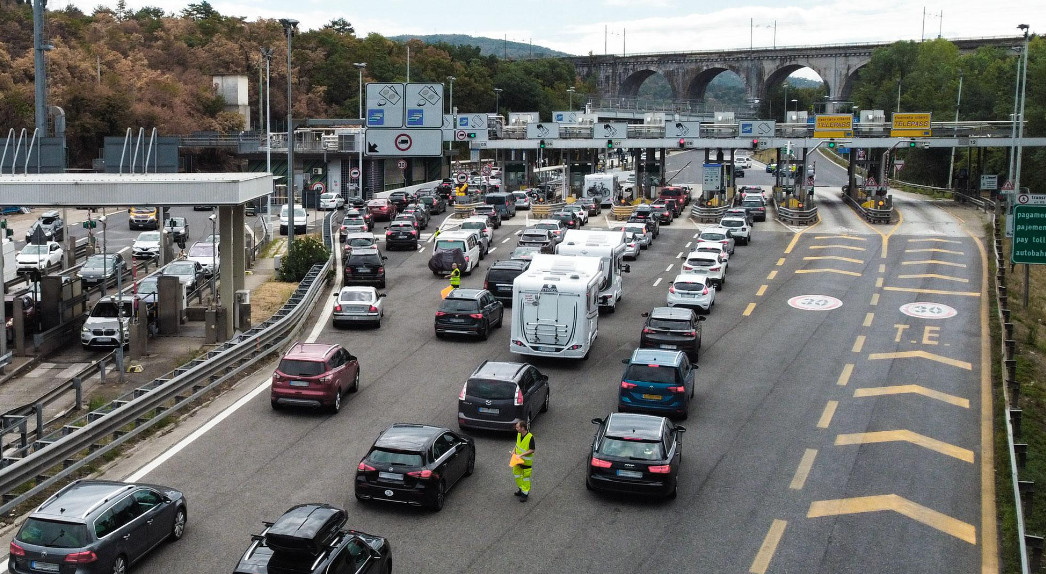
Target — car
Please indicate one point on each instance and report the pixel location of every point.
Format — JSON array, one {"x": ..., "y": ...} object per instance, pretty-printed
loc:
[
  {"x": 331, "y": 201},
  {"x": 739, "y": 228},
  {"x": 491, "y": 213},
  {"x": 420, "y": 213},
  {"x": 500, "y": 276},
  {"x": 481, "y": 225},
  {"x": 646, "y": 238},
  {"x": 663, "y": 212},
  {"x": 712, "y": 265},
  {"x": 580, "y": 210},
  {"x": 359, "y": 239},
  {"x": 365, "y": 266},
  {"x": 659, "y": 381},
  {"x": 739, "y": 212},
  {"x": 681, "y": 194},
  {"x": 526, "y": 252},
  {"x": 351, "y": 225},
  {"x": 719, "y": 235},
  {"x": 691, "y": 290},
  {"x": 409, "y": 219},
  {"x": 28, "y": 302},
  {"x": 743, "y": 161},
  {"x": 497, "y": 395},
  {"x": 190, "y": 273},
  {"x": 146, "y": 246},
  {"x": 98, "y": 268},
  {"x": 635, "y": 453},
  {"x": 445, "y": 189},
  {"x": 522, "y": 199},
  {"x": 95, "y": 526},
  {"x": 436, "y": 204},
  {"x": 401, "y": 199},
  {"x": 739, "y": 172},
  {"x": 208, "y": 255},
  {"x": 358, "y": 304},
  {"x": 746, "y": 190},
  {"x": 414, "y": 464},
  {"x": 756, "y": 205},
  {"x": 143, "y": 218},
  {"x": 591, "y": 206},
  {"x": 314, "y": 375},
  {"x": 469, "y": 312},
  {"x": 540, "y": 237},
  {"x": 645, "y": 214},
  {"x": 458, "y": 246},
  {"x": 311, "y": 538},
  {"x": 301, "y": 219},
  {"x": 401, "y": 234},
  {"x": 672, "y": 328},
  {"x": 632, "y": 246},
  {"x": 569, "y": 219},
  {"x": 555, "y": 226},
  {"x": 504, "y": 203},
  {"x": 148, "y": 289},
  {"x": 178, "y": 228},
  {"x": 361, "y": 213},
  {"x": 39, "y": 258},
  {"x": 381, "y": 209},
  {"x": 50, "y": 226}
]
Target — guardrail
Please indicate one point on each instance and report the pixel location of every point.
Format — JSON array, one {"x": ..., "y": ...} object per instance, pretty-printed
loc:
[
  {"x": 542, "y": 210},
  {"x": 707, "y": 214},
  {"x": 621, "y": 212},
  {"x": 872, "y": 215},
  {"x": 796, "y": 216},
  {"x": 958, "y": 196},
  {"x": 101, "y": 431}
]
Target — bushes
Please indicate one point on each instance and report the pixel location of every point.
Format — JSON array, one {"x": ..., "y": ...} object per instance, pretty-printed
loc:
[{"x": 301, "y": 256}]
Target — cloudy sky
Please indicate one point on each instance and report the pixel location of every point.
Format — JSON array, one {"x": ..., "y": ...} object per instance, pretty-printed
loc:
[{"x": 580, "y": 27}]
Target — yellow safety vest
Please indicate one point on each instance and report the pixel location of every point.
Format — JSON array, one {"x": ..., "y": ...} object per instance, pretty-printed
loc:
[
  {"x": 455, "y": 278},
  {"x": 522, "y": 446}
]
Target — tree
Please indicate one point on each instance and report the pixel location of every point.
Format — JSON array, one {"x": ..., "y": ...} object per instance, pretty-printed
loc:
[
  {"x": 340, "y": 26},
  {"x": 201, "y": 11}
]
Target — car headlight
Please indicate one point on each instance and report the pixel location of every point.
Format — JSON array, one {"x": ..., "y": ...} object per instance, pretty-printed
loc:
[{"x": 85, "y": 329}]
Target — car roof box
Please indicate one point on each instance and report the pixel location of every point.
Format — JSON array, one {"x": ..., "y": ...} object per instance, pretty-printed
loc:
[{"x": 305, "y": 529}]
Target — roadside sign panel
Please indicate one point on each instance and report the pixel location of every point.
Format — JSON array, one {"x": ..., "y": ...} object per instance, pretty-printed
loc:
[
  {"x": 1031, "y": 199},
  {"x": 610, "y": 130},
  {"x": 989, "y": 182},
  {"x": 448, "y": 128},
  {"x": 566, "y": 117},
  {"x": 834, "y": 126},
  {"x": 404, "y": 143},
  {"x": 385, "y": 105},
  {"x": 713, "y": 177},
  {"x": 682, "y": 129},
  {"x": 1029, "y": 235},
  {"x": 757, "y": 128},
  {"x": 355, "y": 173},
  {"x": 402, "y": 164},
  {"x": 472, "y": 121},
  {"x": 424, "y": 103},
  {"x": 543, "y": 131},
  {"x": 911, "y": 126}
]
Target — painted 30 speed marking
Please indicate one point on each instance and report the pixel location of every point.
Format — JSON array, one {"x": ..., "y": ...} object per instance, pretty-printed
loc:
[
  {"x": 928, "y": 310},
  {"x": 815, "y": 303}
]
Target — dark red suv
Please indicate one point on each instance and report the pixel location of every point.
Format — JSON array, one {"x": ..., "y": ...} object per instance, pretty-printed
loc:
[
  {"x": 314, "y": 375},
  {"x": 381, "y": 209}
]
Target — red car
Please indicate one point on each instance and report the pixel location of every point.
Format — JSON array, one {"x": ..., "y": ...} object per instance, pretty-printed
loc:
[
  {"x": 381, "y": 209},
  {"x": 314, "y": 375}
]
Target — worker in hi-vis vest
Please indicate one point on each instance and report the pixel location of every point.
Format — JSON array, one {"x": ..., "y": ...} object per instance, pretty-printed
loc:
[{"x": 524, "y": 455}]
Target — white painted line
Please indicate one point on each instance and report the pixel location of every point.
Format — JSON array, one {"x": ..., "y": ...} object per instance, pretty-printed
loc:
[
  {"x": 669, "y": 268},
  {"x": 658, "y": 282},
  {"x": 679, "y": 256},
  {"x": 421, "y": 248},
  {"x": 492, "y": 250},
  {"x": 696, "y": 234},
  {"x": 688, "y": 244},
  {"x": 505, "y": 240}
]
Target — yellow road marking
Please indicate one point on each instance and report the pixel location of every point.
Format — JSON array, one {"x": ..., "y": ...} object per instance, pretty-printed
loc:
[
  {"x": 844, "y": 377},
  {"x": 878, "y": 282},
  {"x": 854, "y": 237},
  {"x": 921, "y": 355},
  {"x": 908, "y": 436},
  {"x": 858, "y": 344},
  {"x": 912, "y": 389},
  {"x": 934, "y": 276},
  {"x": 795, "y": 239},
  {"x": 934, "y": 262},
  {"x": 832, "y": 258},
  {"x": 933, "y": 291},
  {"x": 780, "y": 261},
  {"x": 934, "y": 250},
  {"x": 838, "y": 271},
  {"x": 875, "y": 300},
  {"x": 760, "y": 292},
  {"x": 803, "y": 471},
  {"x": 850, "y": 247},
  {"x": 868, "y": 319},
  {"x": 882, "y": 268},
  {"x": 748, "y": 310},
  {"x": 934, "y": 240},
  {"x": 989, "y": 548},
  {"x": 771, "y": 276},
  {"x": 827, "y": 414},
  {"x": 769, "y": 546},
  {"x": 932, "y": 518}
]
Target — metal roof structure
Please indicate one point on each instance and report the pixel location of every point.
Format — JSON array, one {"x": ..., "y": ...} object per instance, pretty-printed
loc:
[{"x": 120, "y": 190}]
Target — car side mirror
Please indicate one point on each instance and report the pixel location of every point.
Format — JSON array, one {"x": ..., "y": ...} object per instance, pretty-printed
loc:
[
  {"x": 335, "y": 295},
  {"x": 384, "y": 258},
  {"x": 597, "y": 421},
  {"x": 380, "y": 295},
  {"x": 625, "y": 361},
  {"x": 644, "y": 314}
]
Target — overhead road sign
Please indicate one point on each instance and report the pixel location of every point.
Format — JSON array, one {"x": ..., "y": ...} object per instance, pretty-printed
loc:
[
  {"x": 566, "y": 117},
  {"x": 609, "y": 130},
  {"x": 757, "y": 128},
  {"x": 1029, "y": 235},
  {"x": 385, "y": 105},
  {"x": 682, "y": 129},
  {"x": 543, "y": 131},
  {"x": 1031, "y": 199},
  {"x": 834, "y": 126},
  {"x": 424, "y": 104},
  {"x": 448, "y": 128},
  {"x": 404, "y": 143},
  {"x": 911, "y": 126}
]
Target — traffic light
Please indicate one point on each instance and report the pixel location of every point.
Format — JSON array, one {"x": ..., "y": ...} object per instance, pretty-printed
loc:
[
  {"x": 610, "y": 144},
  {"x": 831, "y": 145},
  {"x": 90, "y": 224},
  {"x": 471, "y": 135},
  {"x": 755, "y": 144},
  {"x": 682, "y": 143},
  {"x": 911, "y": 143},
  {"x": 541, "y": 144}
]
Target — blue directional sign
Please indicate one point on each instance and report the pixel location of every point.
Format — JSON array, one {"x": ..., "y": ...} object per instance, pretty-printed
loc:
[
  {"x": 416, "y": 117},
  {"x": 376, "y": 117}
]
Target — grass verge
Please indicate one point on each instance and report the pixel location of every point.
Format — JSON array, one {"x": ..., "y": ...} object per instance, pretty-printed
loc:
[{"x": 268, "y": 297}]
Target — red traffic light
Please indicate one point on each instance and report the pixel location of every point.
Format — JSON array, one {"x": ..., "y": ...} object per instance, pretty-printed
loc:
[
  {"x": 755, "y": 144},
  {"x": 682, "y": 143}
]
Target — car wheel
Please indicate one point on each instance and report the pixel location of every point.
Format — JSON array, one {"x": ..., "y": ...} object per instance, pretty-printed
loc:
[
  {"x": 355, "y": 382},
  {"x": 471, "y": 467},
  {"x": 544, "y": 405},
  {"x": 501, "y": 319},
  {"x": 440, "y": 497},
  {"x": 382, "y": 284},
  {"x": 673, "y": 493},
  {"x": 336, "y": 407},
  {"x": 119, "y": 565},
  {"x": 178, "y": 528},
  {"x": 275, "y": 404},
  {"x": 588, "y": 484},
  {"x": 485, "y": 331}
]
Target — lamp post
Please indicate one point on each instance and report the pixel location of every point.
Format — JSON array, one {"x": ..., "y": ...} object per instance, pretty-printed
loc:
[
  {"x": 360, "y": 66},
  {"x": 359, "y": 181},
  {"x": 497, "y": 100},
  {"x": 1020, "y": 133},
  {"x": 105, "y": 255},
  {"x": 786, "y": 100},
  {"x": 454, "y": 116},
  {"x": 288, "y": 27},
  {"x": 570, "y": 95},
  {"x": 214, "y": 255},
  {"x": 117, "y": 300},
  {"x": 955, "y": 131},
  {"x": 267, "y": 54}
]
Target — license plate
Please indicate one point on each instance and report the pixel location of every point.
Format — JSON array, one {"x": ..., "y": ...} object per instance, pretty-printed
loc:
[
  {"x": 44, "y": 566},
  {"x": 363, "y": 269},
  {"x": 652, "y": 397},
  {"x": 104, "y": 339},
  {"x": 488, "y": 411},
  {"x": 630, "y": 474},
  {"x": 668, "y": 346},
  {"x": 390, "y": 476},
  {"x": 299, "y": 383}
]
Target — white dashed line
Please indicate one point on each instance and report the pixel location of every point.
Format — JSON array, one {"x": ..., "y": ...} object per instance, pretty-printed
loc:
[
  {"x": 492, "y": 250},
  {"x": 669, "y": 268},
  {"x": 505, "y": 240},
  {"x": 688, "y": 244},
  {"x": 679, "y": 255},
  {"x": 658, "y": 282},
  {"x": 696, "y": 234}
]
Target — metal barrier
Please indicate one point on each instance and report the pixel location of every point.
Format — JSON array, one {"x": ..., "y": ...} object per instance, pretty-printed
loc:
[
  {"x": 707, "y": 214},
  {"x": 796, "y": 216},
  {"x": 543, "y": 210},
  {"x": 871, "y": 215},
  {"x": 622, "y": 212},
  {"x": 106, "y": 429},
  {"x": 958, "y": 196}
]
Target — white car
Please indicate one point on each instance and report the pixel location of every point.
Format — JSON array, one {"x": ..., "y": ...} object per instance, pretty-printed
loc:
[
  {"x": 713, "y": 247},
  {"x": 358, "y": 304},
  {"x": 743, "y": 162},
  {"x": 718, "y": 235},
  {"x": 710, "y": 264},
  {"x": 632, "y": 246},
  {"x": 208, "y": 255},
  {"x": 39, "y": 257},
  {"x": 147, "y": 246},
  {"x": 300, "y": 219},
  {"x": 331, "y": 200},
  {"x": 639, "y": 229},
  {"x": 522, "y": 199},
  {"x": 739, "y": 228},
  {"x": 691, "y": 290},
  {"x": 482, "y": 224}
]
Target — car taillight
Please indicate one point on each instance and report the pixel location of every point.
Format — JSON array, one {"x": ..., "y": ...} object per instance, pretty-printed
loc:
[
  {"x": 16, "y": 550},
  {"x": 364, "y": 467},
  {"x": 704, "y": 291},
  {"x": 690, "y": 333},
  {"x": 466, "y": 259},
  {"x": 713, "y": 268},
  {"x": 600, "y": 463},
  {"x": 381, "y": 269},
  {"x": 519, "y": 397},
  {"x": 627, "y": 385},
  {"x": 275, "y": 377},
  {"x": 672, "y": 289},
  {"x": 81, "y": 557},
  {"x": 337, "y": 308},
  {"x": 440, "y": 313},
  {"x": 461, "y": 396},
  {"x": 388, "y": 234},
  {"x": 476, "y": 315},
  {"x": 372, "y": 309},
  {"x": 676, "y": 389},
  {"x": 422, "y": 473},
  {"x": 724, "y": 242},
  {"x": 413, "y": 233},
  {"x": 660, "y": 469},
  {"x": 648, "y": 330}
]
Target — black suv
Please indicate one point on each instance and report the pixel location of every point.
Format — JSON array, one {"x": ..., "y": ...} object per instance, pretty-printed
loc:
[
  {"x": 469, "y": 312},
  {"x": 498, "y": 395},
  {"x": 97, "y": 526},
  {"x": 365, "y": 267},
  {"x": 435, "y": 203},
  {"x": 492, "y": 214},
  {"x": 500, "y": 276},
  {"x": 311, "y": 539},
  {"x": 635, "y": 453},
  {"x": 755, "y": 205},
  {"x": 51, "y": 227},
  {"x": 674, "y": 328},
  {"x": 645, "y": 214},
  {"x": 401, "y": 199}
]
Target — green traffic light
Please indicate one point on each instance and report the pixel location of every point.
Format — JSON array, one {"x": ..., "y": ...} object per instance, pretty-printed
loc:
[
  {"x": 610, "y": 144},
  {"x": 831, "y": 145},
  {"x": 911, "y": 144}
]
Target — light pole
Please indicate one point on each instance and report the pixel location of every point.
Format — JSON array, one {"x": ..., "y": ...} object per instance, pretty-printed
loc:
[
  {"x": 105, "y": 255},
  {"x": 267, "y": 54},
  {"x": 1020, "y": 132},
  {"x": 497, "y": 100},
  {"x": 288, "y": 27},
  {"x": 214, "y": 257},
  {"x": 570, "y": 98},
  {"x": 359, "y": 181},
  {"x": 454, "y": 116},
  {"x": 786, "y": 100},
  {"x": 955, "y": 131},
  {"x": 360, "y": 66}
]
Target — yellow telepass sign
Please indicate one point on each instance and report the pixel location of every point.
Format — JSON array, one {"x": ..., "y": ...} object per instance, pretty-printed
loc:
[
  {"x": 834, "y": 126},
  {"x": 910, "y": 125}
]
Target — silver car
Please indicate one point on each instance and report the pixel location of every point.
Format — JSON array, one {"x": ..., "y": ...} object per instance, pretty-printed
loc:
[
  {"x": 691, "y": 290},
  {"x": 719, "y": 235},
  {"x": 632, "y": 247},
  {"x": 640, "y": 230},
  {"x": 358, "y": 304}
]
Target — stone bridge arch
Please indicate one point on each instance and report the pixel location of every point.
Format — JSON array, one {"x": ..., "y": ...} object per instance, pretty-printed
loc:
[{"x": 697, "y": 80}]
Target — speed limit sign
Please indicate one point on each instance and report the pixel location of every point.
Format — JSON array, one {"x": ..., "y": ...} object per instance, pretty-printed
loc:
[{"x": 402, "y": 164}]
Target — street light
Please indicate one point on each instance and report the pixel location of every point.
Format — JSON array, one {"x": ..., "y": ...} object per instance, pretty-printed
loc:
[
  {"x": 360, "y": 66},
  {"x": 359, "y": 181},
  {"x": 214, "y": 255},
  {"x": 455, "y": 118},
  {"x": 1020, "y": 135},
  {"x": 267, "y": 54},
  {"x": 105, "y": 255},
  {"x": 955, "y": 131},
  {"x": 288, "y": 27},
  {"x": 497, "y": 99},
  {"x": 570, "y": 95}
]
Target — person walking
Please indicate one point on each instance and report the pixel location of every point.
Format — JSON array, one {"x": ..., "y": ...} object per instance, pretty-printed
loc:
[
  {"x": 524, "y": 453},
  {"x": 455, "y": 276}
]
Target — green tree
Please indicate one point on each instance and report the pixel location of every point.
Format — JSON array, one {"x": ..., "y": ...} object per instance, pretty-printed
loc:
[
  {"x": 302, "y": 255},
  {"x": 340, "y": 26}
]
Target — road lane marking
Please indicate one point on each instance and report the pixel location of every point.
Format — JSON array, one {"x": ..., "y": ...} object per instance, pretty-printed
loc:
[
  {"x": 858, "y": 344},
  {"x": 934, "y": 240},
  {"x": 492, "y": 250},
  {"x": 795, "y": 239},
  {"x": 932, "y": 518},
  {"x": 989, "y": 546},
  {"x": 934, "y": 291},
  {"x": 780, "y": 261},
  {"x": 868, "y": 317},
  {"x": 837, "y": 271},
  {"x": 908, "y": 436},
  {"x": 921, "y": 355},
  {"x": 679, "y": 255},
  {"x": 803, "y": 471},
  {"x": 688, "y": 243},
  {"x": 934, "y": 262},
  {"x": 934, "y": 276},
  {"x": 844, "y": 377},
  {"x": 875, "y": 300},
  {"x": 854, "y": 237},
  {"x": 695, "y": 235},
  {"x": 669, "y": 268},
  {"x": 505, "y": 240},
  {"x": 761, "y": 291},
  {"x": 827, "y": 414},
  {"x": 912, "y": 389},
  {"x": 658, "y": 282},
  {"x": 850, "y": 247},
  {"x": 879, "y": 283},
  {"x": 748, "y": 310},
  {"x": 934, "y": 250},
  {"x": 832, "y": 258},
  {"x": 882, "y": 268},
  {"x": 771, "y": 276},
  {"x": 768, "y": 547}
]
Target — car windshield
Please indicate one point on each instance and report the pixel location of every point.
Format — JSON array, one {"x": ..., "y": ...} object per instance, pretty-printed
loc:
[
  {"x": 179, "y": 269},
  {"x": 689, "y": 286},
  {"x": 360, "y": 242},
  {"x": 651, "y": 373},
  {"x": 53, "y": 534},
  {"x": 449, "y": 245},
  {"x": 176, "y": 222},
  {"x": 148, "y": 286},
  {"x": 382, "y": 456},
  {"x": 549, "y": 226},
  {"x": 402, "y": 226},
  {"x": 206, "y": 250},
  {"x": 732, "y": 223},
  {"x": 712, "y": 237},
  {"x": 149, "y": 236},
  {"x": 640, "y": 229},
  {"x": 48, "y": 220},
  {"x": 459, "y": 306},
  {"x": 668, "y": 324},
  {"x": 356, "y": 296},
  {"x": 473, "y": 225},
  {"x": 699, "y": 262},
  {"x": 35, "y": 250},
  {"x": 632, "y": 449},
  {"x": 364, "y": 259},
  {"x": 354, "y": 221},
  {"x": 709, "y": 249},
  {"x": 488, "y": 389},
  {"x": 300, "y": 368},
  {"x": 752, "y": 202},
  {"x": 525, "y": 252},
  {"x": 97, "y": 261},
  {"x": 142, "y": 210}
]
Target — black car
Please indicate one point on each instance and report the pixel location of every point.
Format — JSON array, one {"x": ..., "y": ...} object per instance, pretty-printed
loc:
[
  {"x": 312, "y": 539},
  {"x": 420, "y": 213},
  {"x": 739, "y": 172},
  {"x": 401, "y": 234},
  {"x": 401, "y": 199},
  {"x": 500, "y": 276},
  {"x": 663, "y": 213},
  {"x": 95, "y": 526},
  {"x": 365, "y": 267},
  {"x": 498, "y": 395},
  {"x": 635, "y": 453},
  {"x": 645, "y": 214},
  {"x": 593, "y": 206},
  {"x": 469, "y": 312},
  {"x": 492, "y": 214},
  {"x": 446, "y": 191},
  {"x": 435, "y": 203},
  {"x": 674, "y": 328},
  {"x": 567, "y": 218},
  {"x": 50, "y": 226},
  {"x": 756, "y": 206},
  {"x": 414, "y": 464}
]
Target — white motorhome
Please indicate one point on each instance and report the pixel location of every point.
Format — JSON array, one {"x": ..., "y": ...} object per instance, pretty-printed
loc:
[
  {"x": 555, "y": 311},
  {"x": 603, "y": 187},
  {"x": 608, "y": 245}
]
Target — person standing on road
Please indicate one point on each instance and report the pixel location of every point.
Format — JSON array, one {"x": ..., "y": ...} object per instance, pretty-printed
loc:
[
  {"x": 455, "y": 276},
  {"x": 525, "y": 445}
]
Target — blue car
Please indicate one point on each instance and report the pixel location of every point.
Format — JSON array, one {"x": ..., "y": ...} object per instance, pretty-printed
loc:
[{"x": 657, "y": 381}]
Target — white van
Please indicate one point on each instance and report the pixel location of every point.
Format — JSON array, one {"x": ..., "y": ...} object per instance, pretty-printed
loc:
[
  {"x": 555, "y": 308},
  {"x": 467, "y": 241},
  {"x": 300, "y": 219},
  {"x": 609, "y": 246}
]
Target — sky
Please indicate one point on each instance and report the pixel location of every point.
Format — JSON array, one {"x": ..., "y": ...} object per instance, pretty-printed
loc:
[{"x": 642, "y": 26}]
